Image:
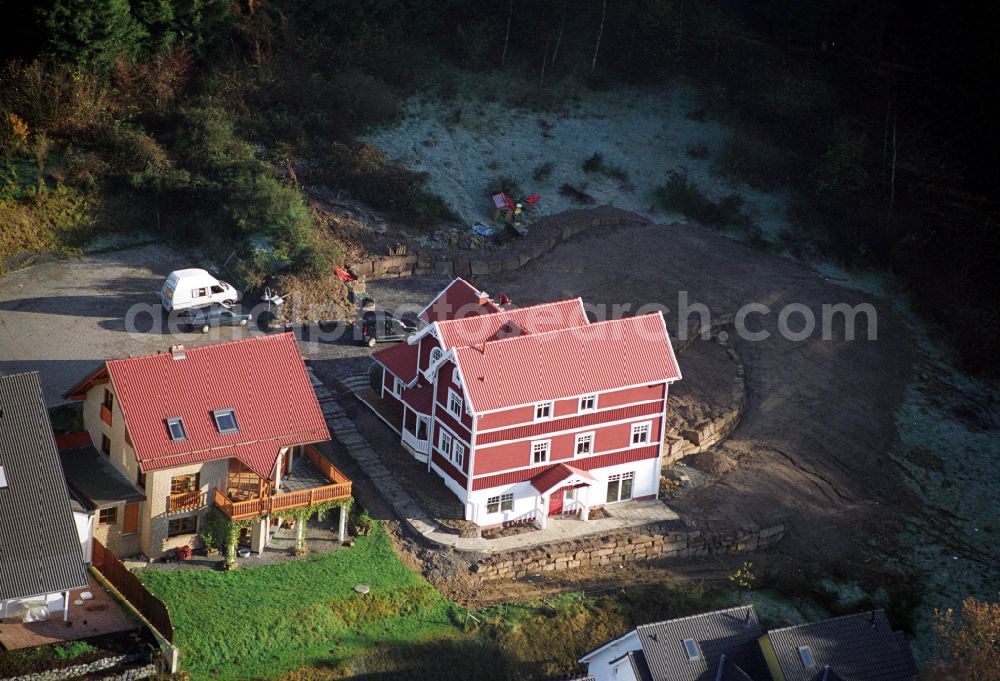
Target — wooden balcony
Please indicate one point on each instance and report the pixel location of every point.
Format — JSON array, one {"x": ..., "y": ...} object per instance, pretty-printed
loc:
[
  {"x": 186, "y": 501},
  {"x": 105, "y": 414},
  {"x": 270, "y": 504}
]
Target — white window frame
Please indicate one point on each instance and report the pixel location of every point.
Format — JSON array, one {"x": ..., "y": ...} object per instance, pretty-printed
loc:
[
  {"x": 538, "y": 446},
  {"x": 457, "y": 453},
  {"x": 548, "y": 406},
  {"x": 436, "y": 354},
  {"x": 455, "y": 397},
  {"x": 442, "y": 438},
  {"x": 620, "y": 478},
  {"x": 584, "y": 399},
  {"x": 584, "y": 437},
  {"x": 645, "y": 427},
  {"x": 504, "y": 503}
]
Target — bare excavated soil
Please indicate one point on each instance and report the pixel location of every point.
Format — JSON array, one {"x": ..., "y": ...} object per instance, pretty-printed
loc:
[
  {"x": 709, "y": 394},
  {"x": 813, "y": 443}
]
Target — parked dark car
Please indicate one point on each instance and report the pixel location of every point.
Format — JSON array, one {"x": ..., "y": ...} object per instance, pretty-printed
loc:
[
  {"x": 204, "y": 318},
  {"x": 379, "y": 326}
]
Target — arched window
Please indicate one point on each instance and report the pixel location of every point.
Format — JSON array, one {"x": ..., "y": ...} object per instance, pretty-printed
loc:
[{"x": 436, "y": 354}]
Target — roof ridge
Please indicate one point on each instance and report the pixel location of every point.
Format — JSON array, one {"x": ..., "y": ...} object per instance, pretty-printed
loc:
[
  {"x": 589, "y": 325},
  {"x": 510, "y": 311},
  {"x": 208, "y": 346},
  {"x": 853, "y": 615},
  {"x": 699, "y": 615}
]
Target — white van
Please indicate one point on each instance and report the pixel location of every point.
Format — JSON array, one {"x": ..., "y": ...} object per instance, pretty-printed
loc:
[{"x": 195, "y": 288}]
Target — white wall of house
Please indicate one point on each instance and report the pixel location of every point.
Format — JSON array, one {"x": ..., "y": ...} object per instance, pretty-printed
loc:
[
  {"x": 645, "y": 484},
  {"x": 599, "y": 662},
  {"x": 85, "y": 529}
]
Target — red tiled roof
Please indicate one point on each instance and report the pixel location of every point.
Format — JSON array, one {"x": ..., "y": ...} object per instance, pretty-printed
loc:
[
  {"x": 458, "y": 299},
  {"x": 263, "y": 379},
  {"x": 400, "y": 359},
  {"x": 420, "y": 399},
  {"x": 552, "y": 477},
  {"x": 542, "y": 318},
  {"x": 575, "y": 361}
]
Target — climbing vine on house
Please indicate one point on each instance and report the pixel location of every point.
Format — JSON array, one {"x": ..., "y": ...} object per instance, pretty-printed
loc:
[
  {"x": 223, "y": 533},
  {"x": 302, "y": 515}
]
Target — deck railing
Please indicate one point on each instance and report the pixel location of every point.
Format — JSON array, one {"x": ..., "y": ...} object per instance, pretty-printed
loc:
[
  {"x": 276, "y": 503},
  {"x": 184, "y": 501}
]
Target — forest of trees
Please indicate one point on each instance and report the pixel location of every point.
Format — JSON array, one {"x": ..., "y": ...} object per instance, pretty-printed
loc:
[{"x": 189, "y": 115}]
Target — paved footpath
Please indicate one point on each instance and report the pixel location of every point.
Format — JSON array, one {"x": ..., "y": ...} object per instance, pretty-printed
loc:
[{"x": 634, "y": 514}]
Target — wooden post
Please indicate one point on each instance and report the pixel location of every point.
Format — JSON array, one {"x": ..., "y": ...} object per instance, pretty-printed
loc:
[{"x": 342, "y": 530}]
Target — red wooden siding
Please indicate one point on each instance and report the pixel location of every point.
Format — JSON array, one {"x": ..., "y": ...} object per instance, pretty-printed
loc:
[
  {"x": 563, "y": 448},
  {"x": 587, "y": 464},
  {"x": 568, "y": 407},
  {"x": 582, "y": 421},
  {"x": 616, "y": 398},
  {"x": 444, "y": 383},
  {"x": 448, "y": 467},
  {"x": 427, "y": 343}
]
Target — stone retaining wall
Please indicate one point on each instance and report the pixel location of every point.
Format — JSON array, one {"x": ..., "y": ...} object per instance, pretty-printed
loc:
[
  {"x": 78, "y": 670},
  {"x": 625, "y": 547},
  {"x": 466, "y": 264},
  {"x": 678, "y": 444}
]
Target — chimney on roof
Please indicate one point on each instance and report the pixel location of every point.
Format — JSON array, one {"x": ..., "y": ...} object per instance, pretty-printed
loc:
[
  {"x": 177, "y": 352},
  {"x": 484, "y": 297}
]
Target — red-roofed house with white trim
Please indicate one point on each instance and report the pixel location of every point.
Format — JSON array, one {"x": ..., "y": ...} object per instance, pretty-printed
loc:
[
  {"x": 230, "y": 425},
  {"x": 531, "y": 412}
]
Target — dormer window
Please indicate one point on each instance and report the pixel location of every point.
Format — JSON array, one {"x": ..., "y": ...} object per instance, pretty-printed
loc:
[
  {"x": 691, "y": 648},
  {"x": 176, "y": 429},
  {"x": 806, "y": 655},
  {"x": 225, "y": 421},
  {"x": 436, "y": 354},
  {"x": 543, "y": 411}
]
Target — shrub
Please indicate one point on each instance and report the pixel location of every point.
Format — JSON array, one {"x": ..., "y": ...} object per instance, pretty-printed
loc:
[
  {"x": 57, "y": 98},
  {"x": 578, "y": 195},
  {"x": 681, "y": 195},
  {"x": 183, "y": 552},
  {"x": 360, "y": 521},
  {"x": 543, "y": 171},
  {"x": 72, "y": 650},
  {"x": 595, "y": 164}
]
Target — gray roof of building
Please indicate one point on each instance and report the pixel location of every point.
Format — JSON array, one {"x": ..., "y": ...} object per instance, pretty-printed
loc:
[
  {"x": 859, "y": 647},
  {"x": 733, "y": 633},
  {"x": 39, "y": 546},
  {"x": 96, "y": 482}
]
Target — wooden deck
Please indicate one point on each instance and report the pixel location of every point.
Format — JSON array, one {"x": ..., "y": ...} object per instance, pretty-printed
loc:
[{"x": 269, "y": 504}]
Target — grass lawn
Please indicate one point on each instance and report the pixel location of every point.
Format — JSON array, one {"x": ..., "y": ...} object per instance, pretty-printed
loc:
[
  {"x": 261, "y": 622},
  {"x": 302, "y": 621}
]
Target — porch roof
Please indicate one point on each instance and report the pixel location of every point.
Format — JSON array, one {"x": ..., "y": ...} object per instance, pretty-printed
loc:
[
  {"x": 557, "y": 475},
  {"x": 95, "y": 481},
  {"x": 420, "y": 399}
]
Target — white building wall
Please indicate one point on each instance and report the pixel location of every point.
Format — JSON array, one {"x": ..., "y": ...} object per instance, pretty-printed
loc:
[
  {"x": 645, "y": 484},
  {"x": 85, "y": 530},
  {"x": 599, "y": 662}
]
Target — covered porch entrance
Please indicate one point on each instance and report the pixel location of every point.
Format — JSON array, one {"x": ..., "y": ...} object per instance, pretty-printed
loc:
[{"x": 563, "y": 491}]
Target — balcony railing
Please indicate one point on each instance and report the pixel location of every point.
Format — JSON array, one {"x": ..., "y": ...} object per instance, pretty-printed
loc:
[
  {"x": 186, "y": 501},
  {"x": 270, "y": 504}
]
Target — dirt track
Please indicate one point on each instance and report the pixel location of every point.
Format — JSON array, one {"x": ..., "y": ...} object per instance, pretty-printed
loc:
[{"x": 813, "y": 441}]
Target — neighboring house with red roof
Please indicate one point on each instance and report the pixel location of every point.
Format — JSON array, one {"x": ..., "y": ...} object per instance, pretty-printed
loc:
[
  {"x": 531, "y": 412},
  {"x": 228, "y": 425}
]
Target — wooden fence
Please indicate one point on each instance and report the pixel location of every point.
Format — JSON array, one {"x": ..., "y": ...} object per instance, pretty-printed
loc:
[{"x": 129, "y": 586}]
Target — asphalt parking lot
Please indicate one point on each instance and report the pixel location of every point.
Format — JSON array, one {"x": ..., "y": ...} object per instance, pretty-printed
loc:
[{"x": 64, "y": 318}]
